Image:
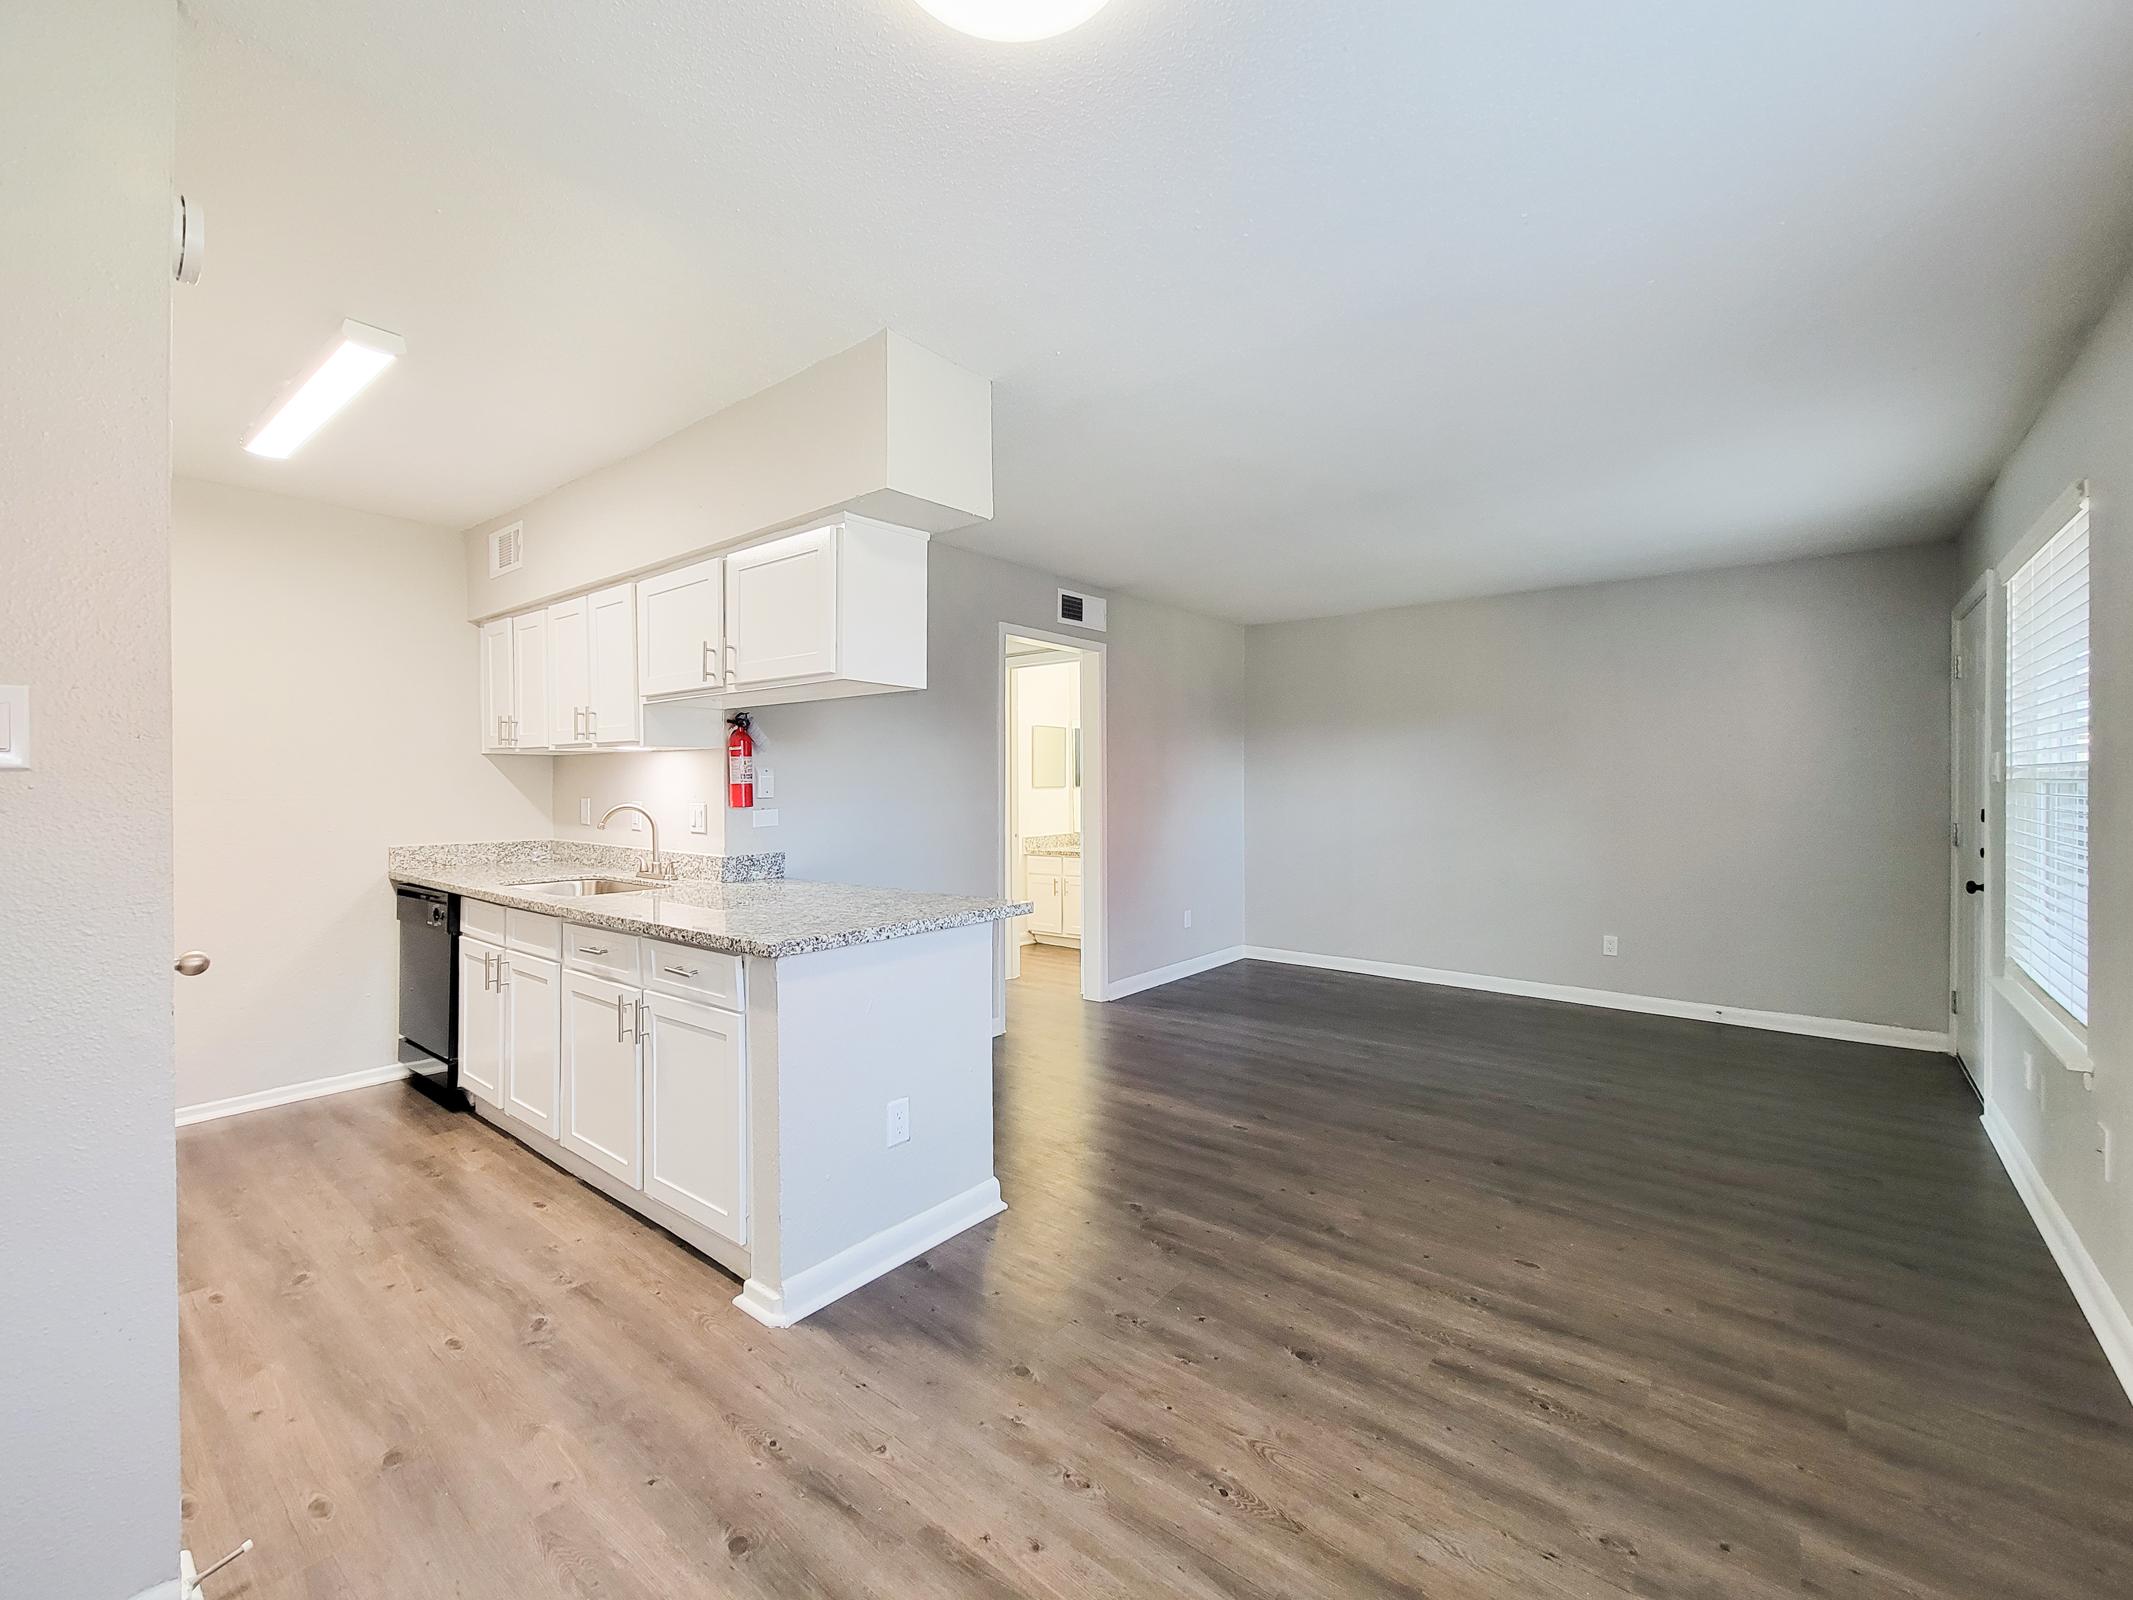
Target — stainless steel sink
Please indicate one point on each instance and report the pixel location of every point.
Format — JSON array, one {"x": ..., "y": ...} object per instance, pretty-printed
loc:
[{"x": 580, "y": 888}]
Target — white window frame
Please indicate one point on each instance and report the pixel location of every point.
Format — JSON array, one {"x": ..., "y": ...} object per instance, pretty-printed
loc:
[{"x": 2062, "y": 1032}]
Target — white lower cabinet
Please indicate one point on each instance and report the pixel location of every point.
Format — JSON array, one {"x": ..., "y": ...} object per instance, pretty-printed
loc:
[
  {"x": 481, "y": 1022},
  {"x": 696, "y": 1131},
  {"x": 532, "y": 1062},
  {"x": 603, "y": 1098},
  {"x": 1055, "y": 890}
]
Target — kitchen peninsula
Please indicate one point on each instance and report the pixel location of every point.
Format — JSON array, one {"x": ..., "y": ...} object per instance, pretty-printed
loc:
[{"x": 793, "y": 1078}]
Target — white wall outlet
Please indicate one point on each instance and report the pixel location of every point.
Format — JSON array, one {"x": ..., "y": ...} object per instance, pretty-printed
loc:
[
  {"x": 1188, "y": 916},
  {"x": 899, "y": 1123},
  {"x": 765, "y": 819},
  {"x": 698, "y": 821},
  {"x": 14, "y": 725},
  {"x": 2029, "y": 1072},
  {"x": 585, "y": 812},
  {"x": 766, "y": 784},
  {"x": 636, "y": 822},
  {"x": 1610, "y": 945}
]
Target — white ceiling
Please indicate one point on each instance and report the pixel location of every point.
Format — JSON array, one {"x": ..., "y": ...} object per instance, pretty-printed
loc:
[{"x": 1291, "y": 309}]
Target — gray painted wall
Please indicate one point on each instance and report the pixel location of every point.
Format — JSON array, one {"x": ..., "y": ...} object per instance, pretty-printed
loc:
[
  {"x": 2086, "y": 431},
  {"x": 1742, "y": 774},
  {"x": 88, "y": 1318},
  {"x": 903, "y": 789}
]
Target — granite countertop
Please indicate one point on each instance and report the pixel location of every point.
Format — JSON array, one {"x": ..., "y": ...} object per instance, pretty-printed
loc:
[
  {"x": 761, "y": 915},
  {"x": 1052, "y": 844}
]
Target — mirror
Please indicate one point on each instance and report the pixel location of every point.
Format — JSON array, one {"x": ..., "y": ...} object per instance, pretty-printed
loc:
[{"x": 1049, "y": 758}]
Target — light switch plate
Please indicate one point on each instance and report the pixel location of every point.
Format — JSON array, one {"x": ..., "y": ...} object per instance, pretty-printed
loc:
[
  {"x": 697, "y": 821},
  {"x": 585, "y": 812},
  {"x": 14, "y": 725},
  {"x": 765, "y": 819},
  {"x": 766, "y": 784}
]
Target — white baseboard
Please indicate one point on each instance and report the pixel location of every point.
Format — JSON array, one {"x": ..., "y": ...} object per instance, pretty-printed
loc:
[
  {"x": 2106, "y": 1314},
  {"x": 809, "y": 1291},
  {"x": 1652, "y": 1005},
  {"x": 236, "y": 1105},
  {"x": 1120, "y": 988}
]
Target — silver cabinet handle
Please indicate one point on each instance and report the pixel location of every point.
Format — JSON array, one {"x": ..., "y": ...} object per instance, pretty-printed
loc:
[
  {"x": 592, "y": 723},
  {"x": 733, "y": 664},
  {"x": 709, "y": 671},
  {"x": 684, "y": 972},
  {"x": 592, "y": 949},
  {"x": 620, "y": 1004},
  {"x": 503, "y": 972},
  {"x": 640, "y": 1020}
]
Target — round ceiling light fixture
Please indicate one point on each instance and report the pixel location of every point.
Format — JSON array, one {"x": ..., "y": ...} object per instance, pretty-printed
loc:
[{"x": 1014, "y": 21}]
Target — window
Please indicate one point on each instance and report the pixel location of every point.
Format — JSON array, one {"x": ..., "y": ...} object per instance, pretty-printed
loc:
[{"x": 2047, "y": 768}]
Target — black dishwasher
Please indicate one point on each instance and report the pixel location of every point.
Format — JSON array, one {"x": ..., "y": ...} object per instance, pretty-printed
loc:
[{"x": 429, "y": 992}]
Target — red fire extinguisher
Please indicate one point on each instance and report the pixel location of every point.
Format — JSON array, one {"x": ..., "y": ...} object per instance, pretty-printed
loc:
[{"x": 740, "y": 765}]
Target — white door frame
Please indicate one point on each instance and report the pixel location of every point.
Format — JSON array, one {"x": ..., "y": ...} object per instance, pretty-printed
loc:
[
  {"x": 1979, "y": 678},
  {"x": 1095, "y": 767}
]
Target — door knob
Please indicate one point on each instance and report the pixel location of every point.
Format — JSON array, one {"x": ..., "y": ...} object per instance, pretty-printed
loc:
[
  {"x": 191, "y": 964},
  {"x": 1973, "y": 887}
]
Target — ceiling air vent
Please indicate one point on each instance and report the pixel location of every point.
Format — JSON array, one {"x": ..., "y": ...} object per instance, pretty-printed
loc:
[
  {"x": 507, "y": 549},
  {"x": 1082, "y": 610}
]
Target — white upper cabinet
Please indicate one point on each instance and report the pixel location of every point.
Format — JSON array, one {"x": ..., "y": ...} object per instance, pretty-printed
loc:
[
  {"x": 570, "y": 678},
  {"x": 592, "y": 648},
  {"x": 499, "y": 703},
  {"x": 613, "y": 713},
  {"x": 529, "y": 681},
  {"x": 681, "y": 630},
  {"x": 781, "y": 610}
]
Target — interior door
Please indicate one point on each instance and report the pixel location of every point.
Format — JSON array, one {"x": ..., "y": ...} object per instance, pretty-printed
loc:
[
  {"x": 531, "y": 1065},
  {"x": 481, "y": 1023},
  {"x": 570, "y": 672},
  {"x": 616, "y": 715},
  {"x": 695, "y": 1089},
  {"x": 603, "y": 1109},
  {"x": 680, "y": 629},
  {"x": 1971, "y": 893},
  {"x": 529, "y": 680},
  {"x": 497, "y": 685},
  {"x": 781, "y": 609}
]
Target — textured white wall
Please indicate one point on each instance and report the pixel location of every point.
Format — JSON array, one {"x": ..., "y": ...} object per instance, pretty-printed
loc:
[
  {"x": 1742, "y": 774},
  {"x": 2085, "y": 432},
  {"x": 328, "y": 705},
  {"x": 88, "y": 1319}
]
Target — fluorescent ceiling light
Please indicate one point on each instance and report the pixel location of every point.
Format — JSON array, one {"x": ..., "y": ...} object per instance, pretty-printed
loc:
[
  {"x": 1014, "y": 21},
  {"x": 357, "y": 356}
]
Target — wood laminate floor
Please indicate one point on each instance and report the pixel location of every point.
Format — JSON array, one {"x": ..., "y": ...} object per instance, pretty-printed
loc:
[{"x": 1310, "y": 1285}]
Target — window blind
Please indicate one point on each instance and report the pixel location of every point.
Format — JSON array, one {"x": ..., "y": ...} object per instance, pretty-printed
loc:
[{"x": 2047, "y": 767}]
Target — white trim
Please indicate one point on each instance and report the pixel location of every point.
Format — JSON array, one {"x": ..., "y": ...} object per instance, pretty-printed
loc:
[
  {"x": 1984, "y": 592},
  {"x": 809, "y": 1291},
  {"x": 2107, "y": 1316},
  {"x": 1142, "y": 981},
  {"x": 290, "y": 1094},
  {"x": 1613, "y": 1000},
  {"x": 2036, "y": 1009},
  {"x": 168, "y": 1589}
]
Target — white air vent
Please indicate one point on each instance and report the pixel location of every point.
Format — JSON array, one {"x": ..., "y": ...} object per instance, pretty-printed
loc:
[
  {"x": 1082, "y": 610},
  {"x": 507, "y": 549}
]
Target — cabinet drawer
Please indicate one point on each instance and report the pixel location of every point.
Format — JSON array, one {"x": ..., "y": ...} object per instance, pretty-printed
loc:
[
  {"x": 604, "y": 954},
  {"x": 690, "y": 974},
  {"x": 532, "y": 934},
  {"x": 478, "y": 919}
]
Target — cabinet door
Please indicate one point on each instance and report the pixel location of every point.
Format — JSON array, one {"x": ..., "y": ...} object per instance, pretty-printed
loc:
[
  {"x": 531, "y": 1075},
  {"x": 615, "y": 713},
  {"x": 696, "y": 1124},
  {"x": 481, "y": 1023},
  {"x": 498, "y": 701},
  {"x": 529, "y": 680},
  {"x": 1070, "y": 904},
  {"x": 680, "y": 630},
  {"x": 603, "y": 1112},
  {"x": 781, "y": 609},
  {"x": 569, "y": 672}
]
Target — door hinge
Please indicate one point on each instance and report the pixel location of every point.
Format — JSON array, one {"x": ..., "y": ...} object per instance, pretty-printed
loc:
[
  {"x": 1955, "y": 835},
  {"x": 1958, "y": 667},
  {"x": 1955, "y": 1003}
]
